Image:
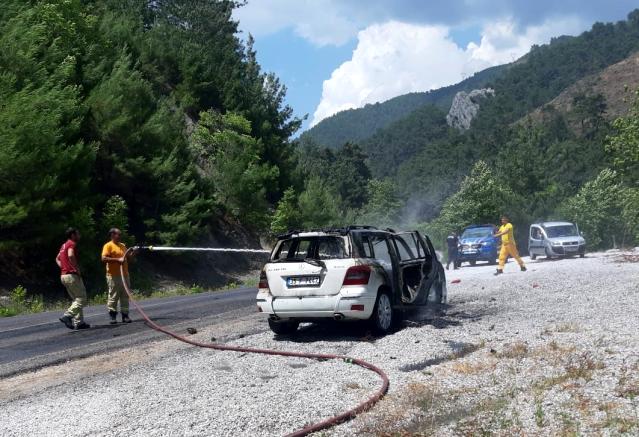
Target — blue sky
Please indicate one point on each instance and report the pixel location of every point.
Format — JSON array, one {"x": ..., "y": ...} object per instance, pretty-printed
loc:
[{"x": 338, "y": 54}]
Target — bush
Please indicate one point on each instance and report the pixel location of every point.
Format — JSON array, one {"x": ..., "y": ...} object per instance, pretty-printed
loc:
[
  {"x": 20, "y": 303},
  {"x": 115, "y": 215},
  {"x": 481, "y": 199},
  {"x": 597, "y": 210},
  {"x": 384, "y": 204}
]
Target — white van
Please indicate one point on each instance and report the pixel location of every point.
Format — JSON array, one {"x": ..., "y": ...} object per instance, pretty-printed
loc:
[{"x": 555, "y": 239}]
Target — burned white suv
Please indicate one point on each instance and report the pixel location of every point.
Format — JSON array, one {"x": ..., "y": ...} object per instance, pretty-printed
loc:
[{"x": 352, "y": 273}]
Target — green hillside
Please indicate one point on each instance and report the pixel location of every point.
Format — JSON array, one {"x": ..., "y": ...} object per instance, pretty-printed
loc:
[
  {"x": 356, "y": 125},
  {"x": 526, "y": 85},
  {"x": 424, "y": 173}
]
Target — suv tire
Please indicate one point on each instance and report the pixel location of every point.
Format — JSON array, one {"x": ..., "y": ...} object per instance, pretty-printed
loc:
[
  {"x": 283, "y": 327},
  {"x": 533, "y": 256},
  {"x": 383, "y": 317}
]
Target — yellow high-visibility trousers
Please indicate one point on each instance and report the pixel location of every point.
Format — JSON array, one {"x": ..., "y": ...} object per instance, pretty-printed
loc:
[{"x": 509, "y": 249}]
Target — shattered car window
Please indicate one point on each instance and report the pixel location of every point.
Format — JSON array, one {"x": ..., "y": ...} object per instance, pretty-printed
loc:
[{"x": 321, "y": 247}]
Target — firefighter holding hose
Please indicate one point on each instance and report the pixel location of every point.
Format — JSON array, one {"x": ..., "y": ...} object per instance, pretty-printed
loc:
[
  {"x": 508, "y": 246},
  {"x": 114, "y": 255}
]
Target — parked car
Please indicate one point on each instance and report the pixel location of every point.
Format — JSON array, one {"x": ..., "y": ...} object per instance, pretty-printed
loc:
[
  {"x": 351, "y": 273},
  {"x": 477, "y": 243},
  {"x": 552, "y": 239}
]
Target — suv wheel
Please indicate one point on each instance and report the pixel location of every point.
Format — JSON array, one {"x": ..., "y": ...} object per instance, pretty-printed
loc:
[
  {"x": 383, "y": 315},
  {"x": 283, "y": 327}
]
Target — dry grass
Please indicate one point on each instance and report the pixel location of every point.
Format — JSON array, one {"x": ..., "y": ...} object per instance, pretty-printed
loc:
[
  {"x": 622, "y": 424},
  {"x": 576, "y": 367},
  {"x": 567, "y": 327},
  {"x": 473, "y": 368},
  {"x": 628, "y": 384},
  {"x": 352, "y": 386},
  {"x": 514, "y": 350}
]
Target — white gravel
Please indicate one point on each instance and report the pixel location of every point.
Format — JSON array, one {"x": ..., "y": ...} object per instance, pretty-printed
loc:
[{"x": 542, "y": 352}]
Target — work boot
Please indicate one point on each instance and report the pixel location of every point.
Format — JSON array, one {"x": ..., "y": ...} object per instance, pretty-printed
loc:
[
  {"x": 67, "y": 320},
  {"x": 125, "y": 318},
  {"x": 499, "y": 272},
  {"x": 523, "y": 268},
  {"x": 82, "y": 325},
  {"x": 112, "y": 316}
]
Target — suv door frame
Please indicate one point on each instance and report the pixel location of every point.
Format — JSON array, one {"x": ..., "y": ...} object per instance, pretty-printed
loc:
[
  {"x": 426, "y": 262},
  {"x": 390, "y": 277}
]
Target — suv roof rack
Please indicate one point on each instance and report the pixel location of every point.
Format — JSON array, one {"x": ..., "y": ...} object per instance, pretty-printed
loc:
[{"x": 330, "y": 230}]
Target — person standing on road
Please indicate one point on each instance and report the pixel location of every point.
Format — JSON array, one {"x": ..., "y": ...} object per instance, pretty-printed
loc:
[
  {"x": 113, "y": 255},
  {"x": 70, "y": 276},
  {"x": 508, "y": 246},
  {"x": 452, "y": 243}
]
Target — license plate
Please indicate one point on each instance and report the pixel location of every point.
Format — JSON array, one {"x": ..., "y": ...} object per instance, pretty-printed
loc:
[
  {"x": 570, "y": 249},
  {"x": 303, "y": 281},
  {"x": 469, "y": 252}
]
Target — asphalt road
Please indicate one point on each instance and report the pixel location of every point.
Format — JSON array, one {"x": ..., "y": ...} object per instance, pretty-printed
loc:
[{"x": 37, "y": 340}]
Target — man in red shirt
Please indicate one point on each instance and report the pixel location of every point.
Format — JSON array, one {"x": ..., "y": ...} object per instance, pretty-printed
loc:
[{"x": 70, "y": 277}]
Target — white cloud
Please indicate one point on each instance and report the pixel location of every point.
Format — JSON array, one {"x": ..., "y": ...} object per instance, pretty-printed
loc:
[
  {"x": 502, "y": 42},
  {"x": 321, "y": 22},
  {"x": 395, "y": 58}
]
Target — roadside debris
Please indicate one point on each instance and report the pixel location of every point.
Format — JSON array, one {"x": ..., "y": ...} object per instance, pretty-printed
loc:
[
  {"x": 535, "y": 285},
  {"x": 455, "y": 281},
  {"x": 191, "y": 331},
  {"x": 629, "y": 258}
]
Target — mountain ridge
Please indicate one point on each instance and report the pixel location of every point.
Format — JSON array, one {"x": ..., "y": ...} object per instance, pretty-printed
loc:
[{"x": 358, "y": 124}]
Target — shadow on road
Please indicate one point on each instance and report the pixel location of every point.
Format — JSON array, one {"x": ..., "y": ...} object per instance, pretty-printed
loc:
[{"x": 438, "y": 316}]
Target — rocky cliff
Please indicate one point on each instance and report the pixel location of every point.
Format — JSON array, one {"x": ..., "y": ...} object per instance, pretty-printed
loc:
[{"x": 465, "y": 107}]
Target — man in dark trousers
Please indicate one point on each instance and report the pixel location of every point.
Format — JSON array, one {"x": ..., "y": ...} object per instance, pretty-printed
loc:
[
  {"x": 452, "y": 241},
  {"x": 71, "y": 278}
]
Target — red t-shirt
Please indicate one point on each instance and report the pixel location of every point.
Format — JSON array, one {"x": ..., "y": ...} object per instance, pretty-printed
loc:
[{"x": 67, "y": 268}]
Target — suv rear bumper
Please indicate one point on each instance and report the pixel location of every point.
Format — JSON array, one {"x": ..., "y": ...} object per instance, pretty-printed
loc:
[{"x": 350, "y": 303}]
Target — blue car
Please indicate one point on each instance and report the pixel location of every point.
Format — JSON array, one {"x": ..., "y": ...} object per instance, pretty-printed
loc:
[{"x": 478, "y": 244}]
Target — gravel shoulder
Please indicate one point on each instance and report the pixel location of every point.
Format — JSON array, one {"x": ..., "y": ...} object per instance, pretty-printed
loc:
[{"x": 550, "y": 351}]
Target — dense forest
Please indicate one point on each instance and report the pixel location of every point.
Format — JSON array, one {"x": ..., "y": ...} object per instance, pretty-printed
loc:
[
  {"x": 151, "y": 115},
  {"x": 540, "y": 169}
]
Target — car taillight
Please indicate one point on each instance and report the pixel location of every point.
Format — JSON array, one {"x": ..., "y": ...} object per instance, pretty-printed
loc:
[
  {"x": 357, "y": 275},
  {"x": 263, "y": 280}
]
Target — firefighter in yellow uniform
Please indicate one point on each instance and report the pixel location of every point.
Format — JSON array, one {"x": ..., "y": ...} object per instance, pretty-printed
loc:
[
  {"x": 114, "y": 255},
  {"x": 508, "y": 246}
]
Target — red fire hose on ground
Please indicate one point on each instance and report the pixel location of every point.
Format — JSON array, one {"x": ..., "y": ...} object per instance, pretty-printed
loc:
[{"x": 327, "y": 423}]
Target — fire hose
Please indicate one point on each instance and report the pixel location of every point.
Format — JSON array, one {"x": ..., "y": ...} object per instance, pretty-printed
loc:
[{"x": 314, "y": 427}]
